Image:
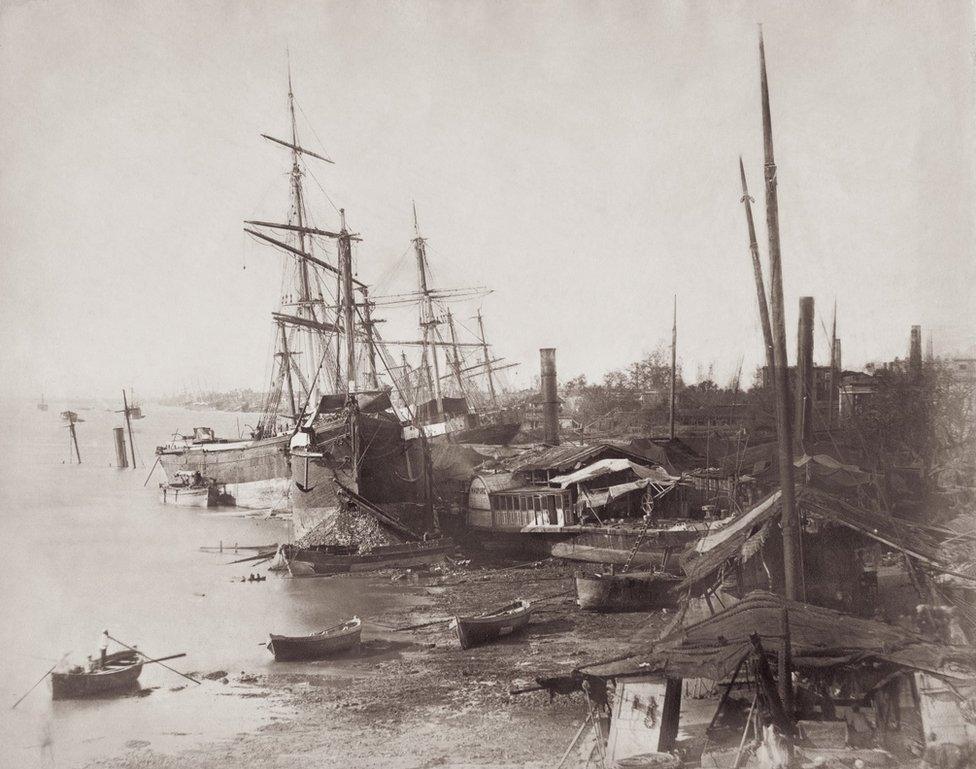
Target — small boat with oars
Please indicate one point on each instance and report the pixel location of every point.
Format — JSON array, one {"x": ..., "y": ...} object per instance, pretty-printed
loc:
[
  {"x": 484, "y": 628},
  {"x": 110, "y": 674},
  {"x": 330, "y": 642},
  {"x": 116, "y": 673},
  {"x": 188, "y": 488},
  {"x": 633, "y": 591}
]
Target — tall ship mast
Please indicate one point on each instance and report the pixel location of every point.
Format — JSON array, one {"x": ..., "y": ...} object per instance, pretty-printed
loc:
[
  {"x": 255, "y": 470},
  {"x": 453, "y": 389}
]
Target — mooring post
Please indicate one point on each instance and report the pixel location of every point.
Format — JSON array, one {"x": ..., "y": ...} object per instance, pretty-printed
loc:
[
  {"x": 128, "y": 423},
  {"x": 120, "y": 459}
]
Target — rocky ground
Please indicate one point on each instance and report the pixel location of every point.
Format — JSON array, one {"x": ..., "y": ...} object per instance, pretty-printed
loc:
[{"x": 415, "y": 699}]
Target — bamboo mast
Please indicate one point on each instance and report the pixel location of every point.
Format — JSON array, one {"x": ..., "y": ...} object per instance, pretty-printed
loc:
[
  {"x": 488, "y": 371},
  {"x": 427, "y": 320},
  {"x": 757, "y": 272},
  {"x": 674, "y": 361},
  {"x": 781, "y": 371}
]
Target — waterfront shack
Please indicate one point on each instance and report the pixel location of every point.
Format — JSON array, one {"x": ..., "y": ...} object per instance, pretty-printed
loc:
[
  {"x": 856, "y": 686},
  {"x": 840, "y": 544}
]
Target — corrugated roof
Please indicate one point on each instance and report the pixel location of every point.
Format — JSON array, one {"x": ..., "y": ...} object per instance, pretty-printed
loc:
[{"x": 819, "y": 637}]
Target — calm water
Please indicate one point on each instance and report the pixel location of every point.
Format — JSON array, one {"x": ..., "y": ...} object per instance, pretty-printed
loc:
[{"x": 87, "y": 548}]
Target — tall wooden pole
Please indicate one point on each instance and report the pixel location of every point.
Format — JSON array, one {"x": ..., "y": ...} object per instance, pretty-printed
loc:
[
  {"x": 286, "y": 368},
  {"x": 834, "y": 365},
  {"x": 456, "y": 356},
  {"x": 674, "y": 361},
  {"x": 804, "y": 374},
  {"x": 781, "y": 372},
  {"x": 74, "y": 438},
  {"x": 488, "y": 372},
  {"x": 128, "y": 424},
  {"x": 427, "y": 320},
  {"x": 757, "y": 272},
  {"x": 370, "y": 339},
  {"x": 348, "y": 302}
]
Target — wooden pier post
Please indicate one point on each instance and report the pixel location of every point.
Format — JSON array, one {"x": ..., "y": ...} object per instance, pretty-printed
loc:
[
  {"x": 74, "y": 438},
  {"x": 120, "y": 459},
  {"x": 128, "y": 424}
]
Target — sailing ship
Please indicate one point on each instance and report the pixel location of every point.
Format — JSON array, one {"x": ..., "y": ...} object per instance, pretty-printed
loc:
[
  {"x": 255, "y": 471},
  {"x": 341, "y": 417},
  {"x": 463, "y": 403}
]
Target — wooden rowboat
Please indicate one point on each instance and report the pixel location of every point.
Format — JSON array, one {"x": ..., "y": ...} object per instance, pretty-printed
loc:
[
  {"x": 325, "y": 643},
  {"x": 635, "y": 591},
  {"x": 332, "y": 560},
  {"x": 484, "y": 628},
  {"x": 119, "y": 673}
]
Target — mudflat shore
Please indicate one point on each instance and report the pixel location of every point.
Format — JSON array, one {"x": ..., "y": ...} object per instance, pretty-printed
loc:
[{"x": 414, "y": 698}]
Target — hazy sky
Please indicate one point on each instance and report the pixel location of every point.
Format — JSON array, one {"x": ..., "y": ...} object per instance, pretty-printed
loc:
[{"x": 579, "y": 157}]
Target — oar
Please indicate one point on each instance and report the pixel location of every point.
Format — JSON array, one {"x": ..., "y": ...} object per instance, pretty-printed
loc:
[
  {"x": 258, "y": 557},
  {"x": 174, "y": 670},
  {"x": 50, "y": 670},
  {"x": 163, "y": 659},
  {"x": 424, "y": 624},
  {"x": 150, "y": 472}
]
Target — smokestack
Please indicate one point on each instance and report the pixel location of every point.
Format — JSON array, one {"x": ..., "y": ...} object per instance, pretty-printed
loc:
[
  {"x": 804, "y": 373},
  {"x": 915, "y": 352},
  {"x": 550, "y": 398}
]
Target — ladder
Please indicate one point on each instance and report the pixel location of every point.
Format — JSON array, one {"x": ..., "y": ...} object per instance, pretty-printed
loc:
[{"x": 647, "y": 505}]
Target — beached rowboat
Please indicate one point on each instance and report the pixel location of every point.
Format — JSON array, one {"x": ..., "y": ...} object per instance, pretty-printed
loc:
[
  {"x": 483, "y": 628},
  {"x": 119, "y": 673},
  {"x": 328, "y": 559},
  {"x": 325, "y": 643},
  {"x": 635, "y": 591}
]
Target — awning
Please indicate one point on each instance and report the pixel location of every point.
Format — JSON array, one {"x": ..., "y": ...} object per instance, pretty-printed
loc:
[
  {"x": 610, "y": 466},
  {"x": 602, "y": 497}
]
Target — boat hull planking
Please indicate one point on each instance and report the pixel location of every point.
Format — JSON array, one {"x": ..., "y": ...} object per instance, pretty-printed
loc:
[
  {"x": 317, "y": 646},
  {"x": 120, "y": 675},
  {"x": 483, "y": 629},
  {"x": 636, "y": 591}
]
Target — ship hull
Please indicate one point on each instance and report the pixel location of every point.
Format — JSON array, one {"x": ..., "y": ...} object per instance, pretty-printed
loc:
[
  {"x": 636, "y": 591},
  {"x": 389, "y": 474},
  {"x": 499, "y": 434},
  {"x": 255, "y": 474},
  {"x": 384, "y": 557}
]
